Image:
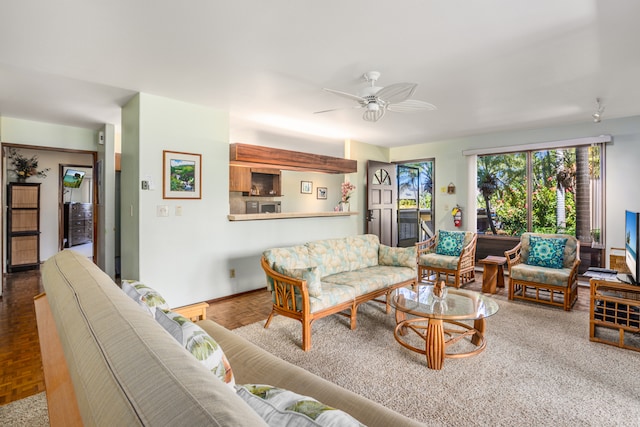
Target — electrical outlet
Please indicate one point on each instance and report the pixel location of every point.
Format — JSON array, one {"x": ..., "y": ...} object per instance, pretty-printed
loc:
[
  {"x": 162, "y": 210},
  {"x": 232, "y": 273},
  {"x": 145, "y": 185}
]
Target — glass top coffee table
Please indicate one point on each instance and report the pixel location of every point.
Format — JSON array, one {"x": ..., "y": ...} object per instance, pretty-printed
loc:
[{"x": 424, "y": 314}]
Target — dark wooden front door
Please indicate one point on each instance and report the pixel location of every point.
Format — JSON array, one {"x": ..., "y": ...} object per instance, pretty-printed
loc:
[{"x": 382, "y": 208}]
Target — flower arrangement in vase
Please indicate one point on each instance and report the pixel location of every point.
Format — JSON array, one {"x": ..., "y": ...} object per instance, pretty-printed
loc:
[
  {"x": 347, "y": 189},
  {"x": 25, "y": 167}
]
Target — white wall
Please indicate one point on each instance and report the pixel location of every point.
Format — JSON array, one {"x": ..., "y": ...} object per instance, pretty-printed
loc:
[
  {"x": 50, "y": 196},
  {"x": 295, "y": 201},
  {"x": 187, "y": 258},
  {"x": 47, "y": 135},
  {"x": 622, "y": 167}
]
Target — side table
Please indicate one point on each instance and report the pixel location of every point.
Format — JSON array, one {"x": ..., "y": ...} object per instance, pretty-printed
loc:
[
  {"x": 614, "y": 308},
  {"x": 493, "y": 274},
  {"x": 193, "y": 312}
]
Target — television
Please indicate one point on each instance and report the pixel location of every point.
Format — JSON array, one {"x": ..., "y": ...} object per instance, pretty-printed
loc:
[
  {"x": 72, "y": 178},
  {"x": 631, "y": 249}
]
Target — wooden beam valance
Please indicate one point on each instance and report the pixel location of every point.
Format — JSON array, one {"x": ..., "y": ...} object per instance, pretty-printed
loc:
[{"x": 255, "y": 155}]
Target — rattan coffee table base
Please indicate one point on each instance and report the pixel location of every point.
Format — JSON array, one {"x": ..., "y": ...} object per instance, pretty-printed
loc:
[{"x": 437, "y": 338}]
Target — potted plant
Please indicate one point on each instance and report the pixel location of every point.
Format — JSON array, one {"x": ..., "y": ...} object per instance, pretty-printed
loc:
[
  {"x": 347, "y": 189},
  {"x": 24, "y": 167}
]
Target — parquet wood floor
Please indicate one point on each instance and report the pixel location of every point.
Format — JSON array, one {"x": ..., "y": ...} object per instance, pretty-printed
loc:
[{"x": 20, "y": 362}]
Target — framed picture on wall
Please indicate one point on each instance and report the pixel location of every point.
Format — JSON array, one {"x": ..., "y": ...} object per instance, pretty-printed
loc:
[
  {"x": 322, "y": 193},
  {"x": 181, "y": 175},
  {"x": 306, "y": 187}
]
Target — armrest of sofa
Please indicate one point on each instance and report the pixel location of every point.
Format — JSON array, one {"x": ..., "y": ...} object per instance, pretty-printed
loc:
[
  {"x": 253, "y": 365},
  {"x": 286, "y": 289},
  {"x": 513, "y": 256}
]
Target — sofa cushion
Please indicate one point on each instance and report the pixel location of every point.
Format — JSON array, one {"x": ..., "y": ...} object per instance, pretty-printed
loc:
[
  {"x": 546, "y": 252},
  {"x": 332, "y": 294},
  {"x": 146, "y": 297},
  {"x": 280, "y": 407},
  {"x": 398, "y": 257},
  {"x": 344, "y": 254},
  {"x": 372, "y": 278},
  {"x": 450, "y": 242},
  {"x": 532, "y": 273},
  {"x": 439, "y": 261},
  {"x": 310, "y": 274},
  {"x": 197, "y": 342},
  {"x": 287, "y": 257}
]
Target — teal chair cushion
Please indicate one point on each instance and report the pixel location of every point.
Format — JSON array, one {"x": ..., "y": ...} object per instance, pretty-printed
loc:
[
  {"x": 546, "y": 252},
  {"x": 450, "y": 242},
  {"x": 570, "y": 248}
]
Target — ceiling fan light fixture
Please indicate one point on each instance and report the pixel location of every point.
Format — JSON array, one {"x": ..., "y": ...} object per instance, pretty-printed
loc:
[
  {"x": 597, "y": 116},
  {"x": 373, "y": 106},
  {"x": 377, "y": 100},
  {"x": 373, "y": 115}
]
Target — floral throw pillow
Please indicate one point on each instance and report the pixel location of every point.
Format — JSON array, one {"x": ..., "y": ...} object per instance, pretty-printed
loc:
[
  {"x": 197, "y": 342},
  {"x": 449, "y": 243},
  {"x": 146, "y": 297},
  {"x": 310, "y": 274},
  {"x": 546, "y": 252},
  {"x": 397, "y": 257},
  {"x": 280, "y": 407}
]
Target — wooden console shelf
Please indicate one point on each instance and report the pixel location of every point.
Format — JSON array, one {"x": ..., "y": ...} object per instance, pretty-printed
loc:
[
  {"x": 287, "y": 215},
  {"x": 256, "y": 156},
  {"x": 614, "y": 313}
]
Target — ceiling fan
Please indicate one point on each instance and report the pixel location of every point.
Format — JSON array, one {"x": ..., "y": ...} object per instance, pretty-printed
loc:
[{"x": 377, "y": 100}]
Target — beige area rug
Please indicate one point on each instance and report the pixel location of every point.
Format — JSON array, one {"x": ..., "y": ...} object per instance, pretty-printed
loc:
[
  {"x": 539, "y": 368},
  {"x": 30, "y": 411}
]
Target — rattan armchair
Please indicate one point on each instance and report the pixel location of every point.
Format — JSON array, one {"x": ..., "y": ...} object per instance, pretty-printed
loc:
[
  {"x": 552, "y": 286},
  {"x": 460, "y": 269}
]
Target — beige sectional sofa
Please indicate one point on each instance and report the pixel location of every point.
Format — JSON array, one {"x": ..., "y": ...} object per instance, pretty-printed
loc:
[
  {"x": 325, "y": 277},
  {"x": 109, "y": 363}
]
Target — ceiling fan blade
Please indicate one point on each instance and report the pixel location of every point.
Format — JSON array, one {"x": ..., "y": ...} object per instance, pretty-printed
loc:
[
  {"x": 337, "y": 109},
  {"x": 373, "y": 115},
  {"x": 410, "y": 105},
  {"x": 397, "y": 92},
  {"x": 327, "y": 111},
  {"x": 345, "y": 95}
]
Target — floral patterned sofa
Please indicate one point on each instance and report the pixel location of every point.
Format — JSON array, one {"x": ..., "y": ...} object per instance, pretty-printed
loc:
[
  {"x": 544, "y": 268},
  {"x": 325, "y": 277}
]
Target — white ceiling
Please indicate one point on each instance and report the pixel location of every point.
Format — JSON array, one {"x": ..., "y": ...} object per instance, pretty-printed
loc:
[{"x": 487, "y": 65}]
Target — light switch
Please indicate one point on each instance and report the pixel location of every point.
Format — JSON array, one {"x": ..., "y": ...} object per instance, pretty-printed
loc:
[
  {"x": 162, "y": 210},
  {"x": 178, "y": 210}
]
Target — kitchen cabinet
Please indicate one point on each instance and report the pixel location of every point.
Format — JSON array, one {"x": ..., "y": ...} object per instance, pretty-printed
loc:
[
  {"x": 23, "y": 226},
  {"x": 239, "y": 179},
  {"x": 255, "y": 181}
]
